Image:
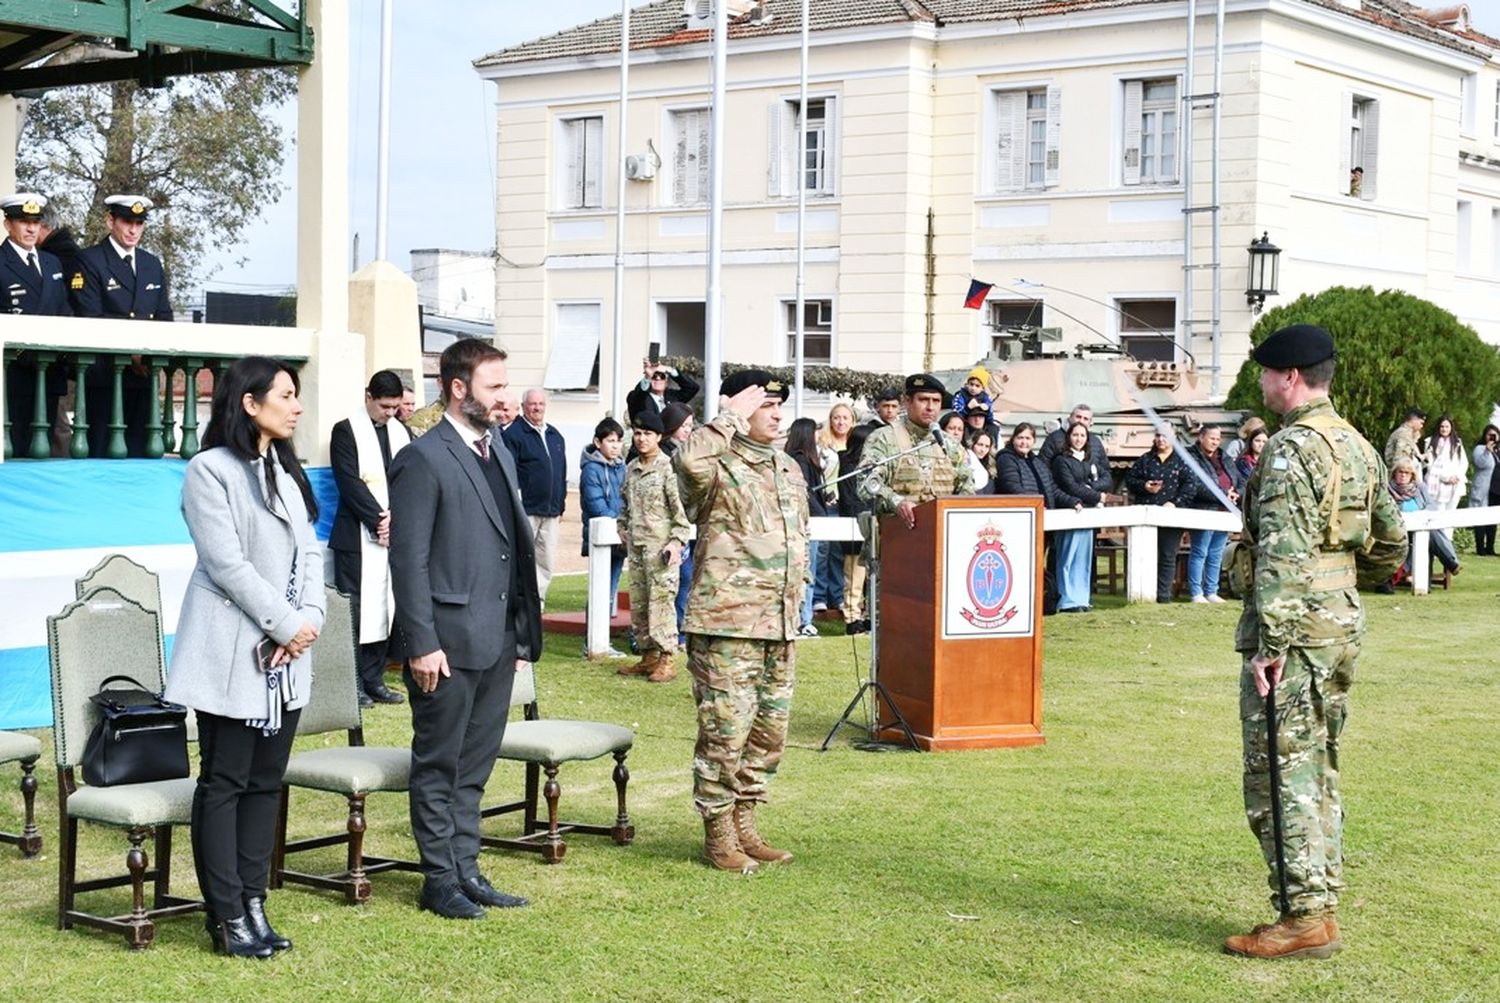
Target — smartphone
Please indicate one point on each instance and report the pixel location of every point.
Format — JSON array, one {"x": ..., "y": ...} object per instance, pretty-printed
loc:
[
  {"x": 666, "y": 557},
  {"x": 265, "y": 648},
  {"x": 654, "y": 352}
]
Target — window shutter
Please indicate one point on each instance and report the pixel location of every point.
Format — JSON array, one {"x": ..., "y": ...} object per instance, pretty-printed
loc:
[
  {"x": 775, "y": 128},
  {"x": 1054, "y": 135},
  {"x": 830, "y": 145},
  {"x": 575, "y": 346},
  {"x": 1346, "y": 127},
  {"x": 680, "y": 159},
  {"x": 700, "y": 175},
  {"x": 572, "y": 132},
  {"x": 1371, "y": 138},
  {"x": 1010, "y": 140},
  {"x": 1131, "y": 172},
  {"x": 593, "y": 160}
]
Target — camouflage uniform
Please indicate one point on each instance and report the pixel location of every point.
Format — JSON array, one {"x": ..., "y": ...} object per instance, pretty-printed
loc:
[
  {"x": 423, "y": 418},
  {"x": 651, "y": 516},
  {"x": 1301, "y": 602},
  {"x": 750, "y": 502},
  {"x": 1403, "y": 442},
  {"x": 920, "y": 476}
]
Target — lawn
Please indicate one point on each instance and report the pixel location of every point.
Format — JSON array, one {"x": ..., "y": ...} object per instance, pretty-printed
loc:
[{"x": 1108, "y": 864}]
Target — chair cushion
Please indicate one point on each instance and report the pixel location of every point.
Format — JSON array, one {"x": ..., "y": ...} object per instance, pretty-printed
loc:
[
  {"x": 16, "y": 747},
  {"x": 550, "y": 741},
  {"x": 352, "y": 769},
  {"x": 161, "y": 802}
]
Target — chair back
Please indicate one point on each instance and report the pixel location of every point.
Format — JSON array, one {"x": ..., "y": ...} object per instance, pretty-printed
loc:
[
  {"x": 126, "y": 577},
  {"x": 101, "y": 635},
  {"x": 524, "y": 690},
  {"x": 333, "y": 704}
]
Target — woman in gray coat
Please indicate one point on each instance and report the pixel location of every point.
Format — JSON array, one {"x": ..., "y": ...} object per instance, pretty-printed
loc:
[{"x": 253, "y": 607}]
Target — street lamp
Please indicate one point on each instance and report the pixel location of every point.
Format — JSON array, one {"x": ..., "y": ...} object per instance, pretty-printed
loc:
[{"x": 1264, "y": 272}]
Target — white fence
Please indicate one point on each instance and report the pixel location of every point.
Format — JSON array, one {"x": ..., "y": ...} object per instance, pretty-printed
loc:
[{"x": 1141, "y": 523}]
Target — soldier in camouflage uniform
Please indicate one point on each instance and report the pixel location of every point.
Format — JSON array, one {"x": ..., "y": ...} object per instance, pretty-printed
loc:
[
  {"x": 899, "y": 486},
  {"x": 1403, "y": 439},
  {"x": 654, "y": 529},
  {"x": 750, "y": 503},
  {"x": 1317, "y": 519}
]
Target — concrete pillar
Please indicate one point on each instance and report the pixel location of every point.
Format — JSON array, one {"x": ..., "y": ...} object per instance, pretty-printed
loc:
[
  {"x": 10, "y": 134},
  {"x": 333, "y": 382},
  {"x": 383, "y": 308}
]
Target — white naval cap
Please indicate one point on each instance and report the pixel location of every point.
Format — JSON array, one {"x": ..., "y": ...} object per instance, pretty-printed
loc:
[
  {"x": 23, "y": 205},
  {"x": 129, "y": 206}
]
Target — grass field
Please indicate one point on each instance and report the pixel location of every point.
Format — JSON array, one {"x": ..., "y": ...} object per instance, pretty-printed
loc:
[{"x": 1108, "y": 864}]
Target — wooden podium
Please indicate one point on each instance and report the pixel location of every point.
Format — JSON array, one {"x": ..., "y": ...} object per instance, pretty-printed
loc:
[{"x": 960, "y": 622}]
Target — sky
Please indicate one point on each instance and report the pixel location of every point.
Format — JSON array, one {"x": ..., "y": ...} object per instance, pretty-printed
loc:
[
  {"x": 442, "y": 131},
  {"x": 442, "y": 135}
]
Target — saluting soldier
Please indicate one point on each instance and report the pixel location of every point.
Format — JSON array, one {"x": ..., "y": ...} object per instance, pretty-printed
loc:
[
  {"x": 31, "y": 282},
  {"x": 1317, "y": 517},
  {"x": 118, "y": 278},
  {"x": 750, "y": 502},
  {"x": 937, "y": 469}
]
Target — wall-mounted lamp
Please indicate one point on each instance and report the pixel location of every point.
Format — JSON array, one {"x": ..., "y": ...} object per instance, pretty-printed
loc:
[{"x": 1264, "y": 272}]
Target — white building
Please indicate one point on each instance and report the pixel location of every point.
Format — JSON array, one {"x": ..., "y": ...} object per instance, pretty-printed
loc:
[{"x": 980, "y": 139}]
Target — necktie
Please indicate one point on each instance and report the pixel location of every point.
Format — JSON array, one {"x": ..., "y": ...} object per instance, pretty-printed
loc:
[
  {"x": 130, "y": 260},
  {"x": 31, "y": 260},
  {"x": 483, "y": 445}
]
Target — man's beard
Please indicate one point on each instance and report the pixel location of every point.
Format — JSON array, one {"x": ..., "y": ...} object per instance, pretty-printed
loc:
[{"x": 475, "y": 413}]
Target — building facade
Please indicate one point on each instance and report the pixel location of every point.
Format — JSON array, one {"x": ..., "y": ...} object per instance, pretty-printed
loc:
[{"x": 957, "y": 139}]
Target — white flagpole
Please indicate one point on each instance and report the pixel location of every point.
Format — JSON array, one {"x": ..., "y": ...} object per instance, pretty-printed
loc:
[
  {"x": 801, "y": 175},
  {"x": 617, "y": 389},
  {"x": 383, "y": 138},
  {"x": 713, "y": 306}
]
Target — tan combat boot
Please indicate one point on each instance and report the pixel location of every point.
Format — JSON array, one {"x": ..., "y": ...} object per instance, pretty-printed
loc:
[
  {"x": 1315, "y": 936},
  {"x": 722, "y": 849},
  {"x": 641, "y": 668},
  {"x": 751, "y": 841},
  {"x": 665, "y": 669}
]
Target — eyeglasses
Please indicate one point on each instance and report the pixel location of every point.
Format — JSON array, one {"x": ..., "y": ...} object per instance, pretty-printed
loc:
[{"x": 658, "y": 376}]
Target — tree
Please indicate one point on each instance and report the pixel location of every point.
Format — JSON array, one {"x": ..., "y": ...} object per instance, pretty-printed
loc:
[
  {"x": 1395, "y": 351},
  {"x": 205, "y": 149}
]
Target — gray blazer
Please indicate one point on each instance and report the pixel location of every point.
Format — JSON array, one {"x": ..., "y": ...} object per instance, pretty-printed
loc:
[
  {"x": 451, "y": 556},
  {"x": 238, "y": 590}
]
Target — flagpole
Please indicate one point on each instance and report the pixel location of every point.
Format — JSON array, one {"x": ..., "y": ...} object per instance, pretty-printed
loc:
[
  {"x": 713, "y": 311},
  {"x": 801, "y": 349},
  {"x": 617, "y": 340}
]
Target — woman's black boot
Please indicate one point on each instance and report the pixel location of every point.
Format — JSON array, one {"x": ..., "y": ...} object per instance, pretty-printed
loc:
[
  {"x": 255, "y": 913},
  {"x": 237, "y": 940}
]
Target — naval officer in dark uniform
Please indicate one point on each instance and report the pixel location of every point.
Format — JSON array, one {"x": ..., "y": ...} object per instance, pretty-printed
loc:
[
  {"x": 116, "y": 278},
  {"x": 31, "y": 282}
]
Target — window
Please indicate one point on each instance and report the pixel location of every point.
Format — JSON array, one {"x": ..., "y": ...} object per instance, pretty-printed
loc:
[
  {"x": 1027, "y": 131},
  {"x": 574, "y": 361},
  {"x": 1359, "y": 151},
  {"x": 1497, "y": 109},
  {"x": 1150, "y": 146},
  {"x": 583, "y": 162},
  {"x": 1148, "y": 329},
  {"x": 1463, "y": 256},
  {"x": 817, "y": 171},
  {"x": 1007, "y": 315},
  {"x": 817, "y": 332},
  {"x": 1468, "y": 104},
  {"x": 690, "y": 156},
  {"x": 1495, "y": 243}
]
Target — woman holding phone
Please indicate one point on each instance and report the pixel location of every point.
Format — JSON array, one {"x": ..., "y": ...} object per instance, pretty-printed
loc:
[{"x": 254, "y": 606}]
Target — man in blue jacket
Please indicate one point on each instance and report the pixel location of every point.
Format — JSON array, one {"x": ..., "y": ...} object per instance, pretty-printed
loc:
[
  {"x": 31, "y": 282},
  {"x": 542, "y": 468}
]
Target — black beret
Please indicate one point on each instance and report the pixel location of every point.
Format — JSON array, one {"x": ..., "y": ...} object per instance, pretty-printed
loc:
[
  {"x": 888, "y": 394},
  {"x": 925, "y": 383},
  {"x": 753, "y": 378},
  {"x": 1295, "y": 347},
  {"x": 673, "y": 415},
  {"x": 648, "y": 421}
]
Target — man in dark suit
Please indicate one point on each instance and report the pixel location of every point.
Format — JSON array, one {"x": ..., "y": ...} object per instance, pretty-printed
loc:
[
  {"x": 464, "y": 574},
  {"x": 31, "y": 282},
  {"x": 116, "y": 278},
  {"x": 360, "y": 451}
]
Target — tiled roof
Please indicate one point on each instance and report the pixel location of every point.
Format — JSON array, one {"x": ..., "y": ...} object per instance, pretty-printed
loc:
[{"x": 661, "y": 24}]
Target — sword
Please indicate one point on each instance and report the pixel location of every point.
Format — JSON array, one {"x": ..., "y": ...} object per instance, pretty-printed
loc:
[
  {"x": 1275, "y": 758},
  {"x": 1165, "y": 428}
]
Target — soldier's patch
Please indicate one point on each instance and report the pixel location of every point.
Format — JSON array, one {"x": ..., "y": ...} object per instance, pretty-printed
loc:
[
  {"x": 77, "y": 281},
  {"x": 1279, "y": 463}
]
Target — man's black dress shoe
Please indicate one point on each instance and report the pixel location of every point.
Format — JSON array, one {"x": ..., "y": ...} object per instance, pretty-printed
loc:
[
  {"x": 365, "y": 703},
  {"x": 449, "y": 902},
  {"x": 237, "y": 940},
  {"x": 384, "y": 694},
  {"x": 481, "y": 892},
  {"x": 255, "y": 913}
]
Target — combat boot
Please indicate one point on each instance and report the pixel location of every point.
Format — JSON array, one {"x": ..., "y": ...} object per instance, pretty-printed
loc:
[
  {"x": 721, "y": 847},
  {"x": 1315, "y": 936},
  {"x": 643, "y": 667},
  {"x": 665, "y": 669},
  {"x": 750, "y": 839}
]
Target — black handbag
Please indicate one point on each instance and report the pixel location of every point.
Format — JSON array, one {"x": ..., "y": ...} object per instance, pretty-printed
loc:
[{"x": 139, "y": 738}]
